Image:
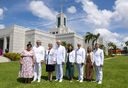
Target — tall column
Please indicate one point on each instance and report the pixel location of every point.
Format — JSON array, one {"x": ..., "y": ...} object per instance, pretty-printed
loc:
[{"x": 5, "y": 44}]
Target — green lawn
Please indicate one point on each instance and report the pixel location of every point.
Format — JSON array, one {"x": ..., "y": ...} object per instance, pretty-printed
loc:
[{"x": 115, "y": 76}]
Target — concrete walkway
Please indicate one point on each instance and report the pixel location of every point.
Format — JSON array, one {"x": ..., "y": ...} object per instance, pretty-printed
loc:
[
  {"x": 4, "y": 59},
  {"x": 109, "y": 58}
]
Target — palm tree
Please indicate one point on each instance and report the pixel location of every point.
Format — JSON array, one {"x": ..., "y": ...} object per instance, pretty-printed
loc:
[
  {"x": 89, "y": 36},
  {"x": 126, "y": 43},
  {"x": 95, "y": 38}
]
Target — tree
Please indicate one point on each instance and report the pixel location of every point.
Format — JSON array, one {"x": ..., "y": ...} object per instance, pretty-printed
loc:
[
  {"x": 125, "y": 49},
  {"x": 112, "y": 46},
  {"x": 101, "y": 46},
  {"x": 89, "y": 36},
  {"x": 66, "y": 45},
  {"x": 95, "y": 38},
  {"x": 126, "y": 43}
]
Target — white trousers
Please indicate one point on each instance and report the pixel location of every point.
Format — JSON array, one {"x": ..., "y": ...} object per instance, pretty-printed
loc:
[
  {"x": 37, "y": 68},
  {"x": 99, "y": 73},
  {"x": 59, "y": 71},
  {"x": 80, "y": 71}
]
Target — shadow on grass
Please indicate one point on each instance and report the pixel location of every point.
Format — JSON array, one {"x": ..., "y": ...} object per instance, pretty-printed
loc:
[
  {"x": 54, "y": 77},
  {"x": 22, "y": 80}
]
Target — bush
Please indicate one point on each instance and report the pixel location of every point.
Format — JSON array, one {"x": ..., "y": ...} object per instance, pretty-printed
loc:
[{"x": 12, "y": 56}]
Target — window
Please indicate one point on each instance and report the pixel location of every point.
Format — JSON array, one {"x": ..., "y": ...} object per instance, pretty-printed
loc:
[
  {"x": 65, "y": 21},
  {"x": 59, "y": 20},
  {"x": 53, "y": 32}
]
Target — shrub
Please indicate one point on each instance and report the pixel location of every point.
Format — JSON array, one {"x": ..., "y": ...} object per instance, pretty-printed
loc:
[{"x": 12, "y": 56}]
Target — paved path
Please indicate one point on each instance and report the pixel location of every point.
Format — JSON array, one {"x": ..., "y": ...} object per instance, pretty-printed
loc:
[
  {"x": 4, "y": 59},
  {"x": 109, "y": 58}
]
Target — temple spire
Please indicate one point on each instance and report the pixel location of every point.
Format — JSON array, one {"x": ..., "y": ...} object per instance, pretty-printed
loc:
[{"x": 61, "y": 8}]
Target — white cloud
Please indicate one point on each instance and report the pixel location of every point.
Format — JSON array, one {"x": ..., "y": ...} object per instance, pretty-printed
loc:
[
  {"x": 94, "y": 15},
  {"x": 109, "y": 36},
  {"x": 121, "y": 11},
  {"x": 2, "y": 26},
  {"x": 39, "y": 9},
  {"x": 1, "y": 13},
  {"x": 72, "y": 9},
  {"x": 125, "y": 39}
]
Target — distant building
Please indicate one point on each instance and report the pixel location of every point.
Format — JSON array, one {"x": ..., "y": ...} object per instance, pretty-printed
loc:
[{"x": 15, "y": 38}]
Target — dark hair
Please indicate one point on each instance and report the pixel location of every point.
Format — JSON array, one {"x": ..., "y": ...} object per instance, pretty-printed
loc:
[
  {"x": 90, "y": 49},
  {"x": 71, "y": 49},
  {"x": 29, "y": 44}
]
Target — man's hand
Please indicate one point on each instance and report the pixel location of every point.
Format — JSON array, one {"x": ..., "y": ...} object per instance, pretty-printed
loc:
[
  {"x": 82, "y": 63},
  {"x": 53, "y": 63},
  {"x": 62, "y": 62},
  {"x": 101, "y": 65},
  {"x": 41, "y": 61}
]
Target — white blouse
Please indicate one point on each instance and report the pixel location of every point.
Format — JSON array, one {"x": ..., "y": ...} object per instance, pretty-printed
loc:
[
  {"x": 71, "y": 57},
  {"x": 50, "y": 56}
]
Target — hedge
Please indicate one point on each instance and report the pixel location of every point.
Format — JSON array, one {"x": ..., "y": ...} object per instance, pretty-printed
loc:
[{"x": 12, "y": 56}]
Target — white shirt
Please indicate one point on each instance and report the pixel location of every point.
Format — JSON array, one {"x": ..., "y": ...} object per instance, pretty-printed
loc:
[
  {"x": 60, "y": 54},
  {"x": 98, "y": 57},
  {"x": 91, "y": 57},
  {"x": 50, "y": 56},
  {"x": 39, "y": 53},
  {"x": 71, "y": 56},
  {"x": 80, "y": 55}
]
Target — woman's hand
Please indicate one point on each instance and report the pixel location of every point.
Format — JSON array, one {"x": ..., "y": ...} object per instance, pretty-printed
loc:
[
  {"x": 33, "y": 65},
  {"x": 20, "y": 62},
  {"x": 53, "y": 63}
]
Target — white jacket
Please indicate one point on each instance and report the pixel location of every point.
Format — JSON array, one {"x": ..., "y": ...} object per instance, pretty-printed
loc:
[
  {"x": 60, "y": 53},
  {"x": 80, "y": 55},
  {"x": 50, "y": 58},
  {"x": 71, "y": 56},
  {"x": 91, "y": 57},
  {"x": 98, "y": 57},
  {"x": 39, "y": 53}
]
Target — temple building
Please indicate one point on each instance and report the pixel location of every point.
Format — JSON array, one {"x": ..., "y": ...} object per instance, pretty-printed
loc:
[{"x": 15, "y": 38}]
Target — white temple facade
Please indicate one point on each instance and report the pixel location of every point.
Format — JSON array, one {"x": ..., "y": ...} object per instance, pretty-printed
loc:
[{"x": 15, "y": 38}]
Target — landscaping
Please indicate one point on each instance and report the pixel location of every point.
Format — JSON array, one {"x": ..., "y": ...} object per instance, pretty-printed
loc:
[{"x": 115, "y": 76}]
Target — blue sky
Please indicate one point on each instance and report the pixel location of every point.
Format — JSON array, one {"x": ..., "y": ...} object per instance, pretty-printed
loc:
[{"x": 97, "y": 16}]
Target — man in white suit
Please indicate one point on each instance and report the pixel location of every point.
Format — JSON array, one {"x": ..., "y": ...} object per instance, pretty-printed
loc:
[
  {"x": 60, "y": 60},
  {"x": 80, "y": 59},
  {"x": 98, "y": 61},
  {"x": 39, "y": 58}
]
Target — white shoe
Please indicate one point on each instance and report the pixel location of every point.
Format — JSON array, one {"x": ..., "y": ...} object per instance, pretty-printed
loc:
[
  {"x": 95, "y": 81},
  {"x": 78, "y": 80},
  {"x": 81, "y": 81},
  {"x": 34, "y": 80},
  {"x": 99, "y": 82},
  {"x": 38, "y": 80},
  {"x": 60, "y": 80},
  {"x": 56, "y": 80}
]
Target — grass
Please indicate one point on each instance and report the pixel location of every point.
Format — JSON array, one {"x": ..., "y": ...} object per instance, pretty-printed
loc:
[{"x": 115, "y": 76}]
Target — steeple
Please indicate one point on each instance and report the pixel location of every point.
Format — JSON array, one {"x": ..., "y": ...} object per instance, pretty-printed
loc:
[
  {"x": 61, "y": 8},
  {"x": 61, "y": 19}
]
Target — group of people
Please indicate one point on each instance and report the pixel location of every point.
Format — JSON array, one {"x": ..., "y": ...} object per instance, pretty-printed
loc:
[{"x": 32, "y": 58}]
